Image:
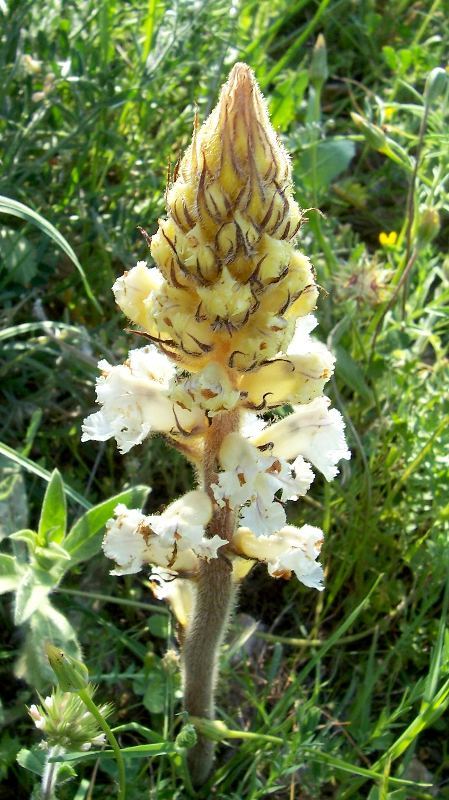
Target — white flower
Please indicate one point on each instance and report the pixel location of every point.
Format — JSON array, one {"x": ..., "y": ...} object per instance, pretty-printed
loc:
[
  {"x": 252, "y": 425},
  {"x": 301, "y": 341},
  {"x": 290, "y": 550},
  {"x": 314, "y": 431},
  {"x": 174, "y": 539},
  {"x": 99, "y": 740},
  {"x": 37, "y": 717},
  {"x": 132, "y": 290},
  {"x": 253, "y": 477},
  {"x": 183, "y": 522},
  {"x": 241, "y": 463},
  {"x": 208, "y": 547},
  {"x": 178, "y": 592},
  {"x": 124, "y": 542},
  {"x": 263, "y": 518},
  {"x": 136, "y": 401}
]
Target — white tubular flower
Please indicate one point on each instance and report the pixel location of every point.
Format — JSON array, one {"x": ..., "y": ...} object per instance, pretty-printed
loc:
[
  {"x": 133, "y": 288},
  {"x": 297, "y": 377},
  {"x": 178, "y": 592},
  {"x": 136, "y": 401},
  {"x": 174, "y": 539},
  {"x": 100, "y": 740},
  {"x": 241, "y": 463},
  {"x": 290, "y": 550},
  {"x": 252, "y": 477},
  {"x": 263, "y": 518},
  {"x": 124, "y": 542},
  {"x": 313, "y": 431},
  {"x": 37, "y": 717},
  {"x": 183, "y": 523}
]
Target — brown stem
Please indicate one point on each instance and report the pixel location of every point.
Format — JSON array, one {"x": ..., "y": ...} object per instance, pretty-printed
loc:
[{"x": 213, "y": 606}]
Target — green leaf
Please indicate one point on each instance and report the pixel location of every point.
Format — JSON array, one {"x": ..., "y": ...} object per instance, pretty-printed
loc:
[
  {"x": 9, "y": 573},
  {"x": 16, "y": 209},
  {"x": 31, "y": 466},
  {"x": 32, "y": 760},
  {"x": 13, "y": 498},
  {"x": 351, "y": 374},
  {"x": 390, "y": 57},
  {"x": 31, "y": 592},
  {"x": 17, "y": 256},
  {"x": 46, "y": 625},
  {"x": 287, "y": 99},
  {"x": 53, "y": 521},
  {"x": 158, "y": 625},
  {"x": 156, "y": 691},
  {"x": 54, "y": 552},
  {"x": 84, "y": 540},
  {"x": 28, "y": 536},
  {"x": 332, "y": 157},
  {"x": 137, "y": 751}
]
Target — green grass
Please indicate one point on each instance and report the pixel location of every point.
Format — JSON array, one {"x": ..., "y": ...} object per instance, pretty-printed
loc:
[{"x": 351, "y": 685}]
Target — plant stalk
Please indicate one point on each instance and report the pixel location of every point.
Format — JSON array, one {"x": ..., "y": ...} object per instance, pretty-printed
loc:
[
  {"x": 213, "y": 606},
  {"x": 95, "y": 711}
]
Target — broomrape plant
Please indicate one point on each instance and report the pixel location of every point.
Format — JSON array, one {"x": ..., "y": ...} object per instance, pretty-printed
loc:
[{"x": 227, "y": 312}]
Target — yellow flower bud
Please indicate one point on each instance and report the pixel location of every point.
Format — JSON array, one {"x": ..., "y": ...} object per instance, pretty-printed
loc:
[{"x": 231, "y": 283}]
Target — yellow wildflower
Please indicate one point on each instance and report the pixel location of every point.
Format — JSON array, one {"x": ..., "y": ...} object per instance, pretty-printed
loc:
[{"x": 388, "y": 239}]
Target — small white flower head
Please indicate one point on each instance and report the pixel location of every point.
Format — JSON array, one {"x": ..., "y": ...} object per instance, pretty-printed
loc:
[
  {"x": 210, "y": 389},
  {"x": 30, "y": 65},
  {"x": 314, "y": 431},
  {"x": 256, "y": 483},
  {"x": 135, "y": 400},
  {"x": 63, "y": 719},
  {"x": 289, "y": 550},
  {"x": 99, "y": 741}
]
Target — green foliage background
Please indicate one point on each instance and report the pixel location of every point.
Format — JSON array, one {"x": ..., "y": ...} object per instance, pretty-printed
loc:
[{"x": 97, "y": 99}]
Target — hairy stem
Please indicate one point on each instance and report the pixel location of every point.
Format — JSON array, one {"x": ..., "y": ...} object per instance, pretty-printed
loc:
[
  {"x": 50, "y": 773},
  {"x": 213, "y": 606}
]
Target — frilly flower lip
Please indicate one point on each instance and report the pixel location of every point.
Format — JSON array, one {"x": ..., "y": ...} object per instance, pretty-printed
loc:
[
  {"x": 289, "y": 550},
  {"x": 254, "y": 484},
  {"x": 313, "y": 431},
  {"x": 136, "y": 401}
]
